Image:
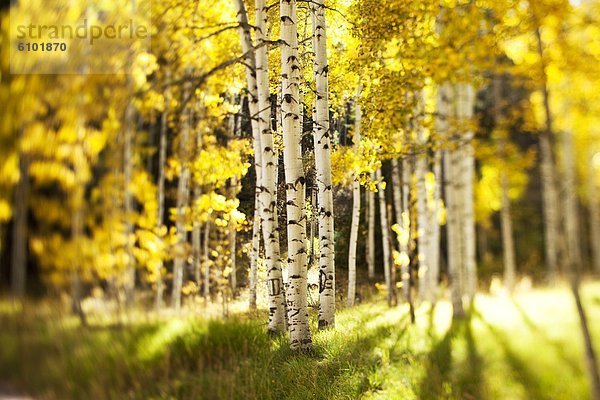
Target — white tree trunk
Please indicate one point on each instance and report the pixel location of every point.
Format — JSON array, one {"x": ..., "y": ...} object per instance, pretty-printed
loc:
[
  {"x": 397, "y": 191},
  {"x": 232, "y": 237},
  {"x": 355, "y": 213},
  {"x": 453, "y": 226},
  {"x": 162, "y": 160},
  {"x": 300, "y": 336},
  {"x": 183, "y": 188},
  {"x": 322, "y": 140},
  {"x": 385, "y": 240},
  {"x": 268, "y": 186},
  {"x": 252, "y": 85},
  {"x": 371, "y": 232},
  {"x": 128, "y": 203},
  {"x": 434, "y": 245},
  {"x": 508, "y": 243},
  {"x": 467, "y": 98},
  {"x": 406, "y": 228},
  {"x": 422, "y": 226}
]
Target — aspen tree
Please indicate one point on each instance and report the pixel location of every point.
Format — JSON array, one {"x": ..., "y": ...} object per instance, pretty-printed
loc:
[
  {"x": 297, "y": 307},
  {"x": 423, "y": 237},
  {"x": 162, "y": 159},
  {"x": 322, "y": 141},
  {"x": 466, "y": 98},
  {"x": 453, "y": 228},
  {"x": 183, "y": 188},
  {"x": 269, "y": 172},
  {"x": 355, "y": 211},
  {"x": 406, "y": 228},
  {"x": 251, "y": 82},
  {"x": 508, "y": 245},
  {"x": 385, "y": 241},
  {"x": 434, "y": 248},
  {"x": 371, "y": 232},
  {"x": 548, "y": 175}
]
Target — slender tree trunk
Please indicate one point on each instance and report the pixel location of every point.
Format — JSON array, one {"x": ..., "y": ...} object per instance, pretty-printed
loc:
[
  {"x": 453, "y": 227},
  {"x": 371, "y": 232},
  {"x": 442, "y": 124},
  {"x": 253, "y": 275},
  {"x": 76, "y": 234},
  {"x": 269, "y": 177},
  {"x": 434, "y": 246},
  {"x": 77, "y": 227},
  {"x": 385, "y": 241},
  {"x": 406, "y": 229},
  {"x": 467, "y": 97},
  {"x": 571, "y": 211},
  {"x": 162, "y": 159},
  {"x": 232, "y": 236},
  {"x": 300, "y": 337},
  {"x": 19, "y": 233},
  {"x": 250, "y": 62},
  {"x": 594, "y": 209},
  {"x": 182, "y": 202},
  {"x": 397, "y": 195},
  {"x": 128, "y": 204},
  {"x": 590, "y": 353},
  {"x": 397, "y": 191},
  {"x": 548, "y": 176},
  {"x": 422, "y": 227},
  {"x": 355, "y": 212},
  {"x": 322, "y": 139},
  {"x": 205, "y": 245},
  {"x": 508, "y": 244}
]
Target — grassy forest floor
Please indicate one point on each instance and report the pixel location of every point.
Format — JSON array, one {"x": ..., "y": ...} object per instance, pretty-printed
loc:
[{"x": 529, "y": 347}]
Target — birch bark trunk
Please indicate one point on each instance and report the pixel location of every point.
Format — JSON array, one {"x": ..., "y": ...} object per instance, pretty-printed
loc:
[
  {"x": 300, "y": 336},
  {"x": 355, "y": 212},
  {"x": 468, "y": 177},
  {"x": 128, "y": 204},
  {"x": 182, "y": 201},
  {"x": 385, "y": 241},
  {"x": 322, "y": 141},
  {"x": 269, "y": 177},
  {"x": 162, "y": 160},
  {"x": 451, "y": 162},
  {"x": 434, "y": 255},
  {"x": 406, "y": 229},
  {"x": 423, "y": 245},
  {"x": 508, "y": 244}
]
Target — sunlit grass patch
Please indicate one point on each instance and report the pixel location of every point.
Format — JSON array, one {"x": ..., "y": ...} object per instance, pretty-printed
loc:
[{"x": 525, "y": 348}]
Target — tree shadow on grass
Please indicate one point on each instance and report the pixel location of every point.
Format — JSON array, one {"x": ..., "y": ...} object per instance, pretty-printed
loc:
[
  {"x": 541, "y": 334},
  {"x": 521, "y": 369},
  {"x": 445, "y": 377}
]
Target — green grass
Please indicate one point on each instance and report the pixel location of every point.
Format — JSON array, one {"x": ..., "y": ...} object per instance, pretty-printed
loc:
[{"x": 526, "y": 348}]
